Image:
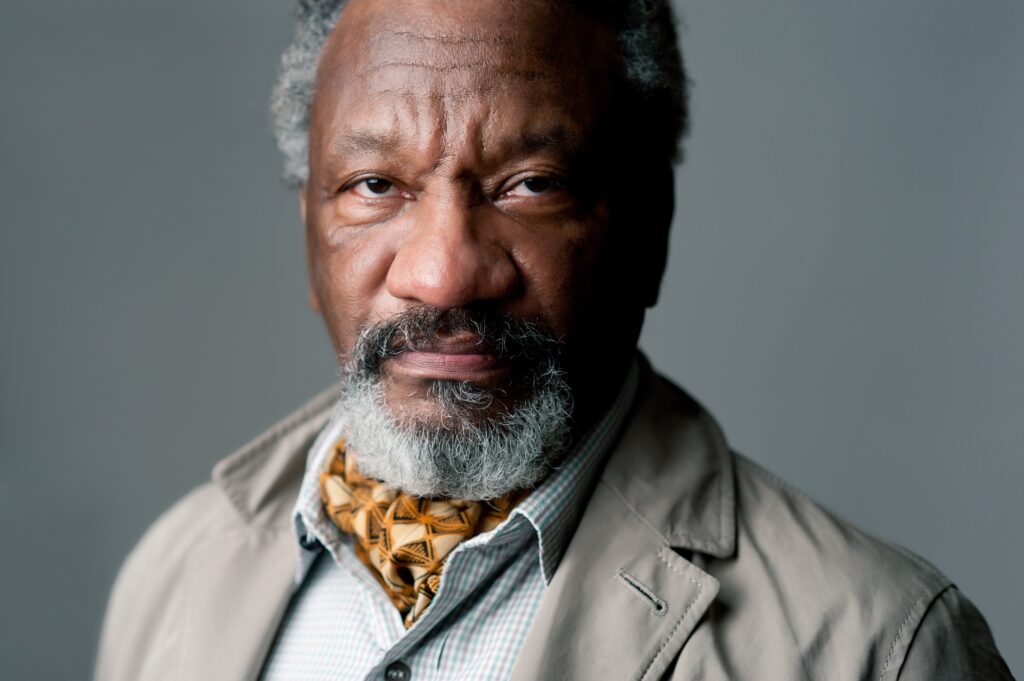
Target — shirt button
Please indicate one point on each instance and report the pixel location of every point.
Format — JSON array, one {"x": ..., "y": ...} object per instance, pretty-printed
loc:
[{"x": 397, "y": 671}]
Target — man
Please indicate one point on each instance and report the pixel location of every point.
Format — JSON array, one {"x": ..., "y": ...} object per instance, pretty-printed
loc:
[{"x": 501, "y": 487}]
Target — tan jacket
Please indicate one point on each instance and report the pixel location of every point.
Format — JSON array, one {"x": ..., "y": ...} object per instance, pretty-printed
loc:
[{"x": 690, "y": 562}]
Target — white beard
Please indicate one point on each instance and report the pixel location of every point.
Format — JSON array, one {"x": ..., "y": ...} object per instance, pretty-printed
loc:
[{"x": 458, "y": 457}]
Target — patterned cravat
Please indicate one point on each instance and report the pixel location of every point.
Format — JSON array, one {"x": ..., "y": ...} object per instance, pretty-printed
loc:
[{"x": 403, "y": 539}]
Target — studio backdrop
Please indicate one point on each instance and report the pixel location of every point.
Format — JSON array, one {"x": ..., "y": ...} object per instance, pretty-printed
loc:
[{"x": 844, "y": 292}]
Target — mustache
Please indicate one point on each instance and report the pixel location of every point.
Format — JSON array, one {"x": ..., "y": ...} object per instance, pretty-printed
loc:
[{"x": 509, "y": 337}]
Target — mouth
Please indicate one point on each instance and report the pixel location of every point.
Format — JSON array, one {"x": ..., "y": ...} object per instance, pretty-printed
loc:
[{"x": 458, "y": 357}]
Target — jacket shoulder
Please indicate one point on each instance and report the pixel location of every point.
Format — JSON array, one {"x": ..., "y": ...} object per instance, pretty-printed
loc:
[
  {"x": 797, "y": 533},
  {"x": 836, "y": 592},
  {"x": 200, "y": 515},
  {"x": 251, "y": 494},
  {"x": 147, "y": 584}
]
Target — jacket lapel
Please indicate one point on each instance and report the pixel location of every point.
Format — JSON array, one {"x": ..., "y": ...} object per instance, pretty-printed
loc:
[
  {"x": 238, "y": 584},
  {"x": 624, "y": 600},
  {"x": 620, "y": 605}
]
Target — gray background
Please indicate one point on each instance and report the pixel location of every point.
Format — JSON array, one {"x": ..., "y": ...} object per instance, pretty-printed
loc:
[{"x": 844, "y": 292}]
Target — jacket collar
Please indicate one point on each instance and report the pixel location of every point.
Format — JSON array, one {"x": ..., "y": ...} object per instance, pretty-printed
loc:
[
  {"x": 674, "y": 471},
  {"x": 261, "y": 480}
]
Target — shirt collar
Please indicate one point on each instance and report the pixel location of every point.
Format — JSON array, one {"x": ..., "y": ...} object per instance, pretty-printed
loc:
[
  {"x": 313, "y": 528},
  {"x": 552, "y": 509}
]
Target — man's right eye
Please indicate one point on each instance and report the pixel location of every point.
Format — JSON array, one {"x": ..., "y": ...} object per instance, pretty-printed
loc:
[{"x": 374, "y": 188}]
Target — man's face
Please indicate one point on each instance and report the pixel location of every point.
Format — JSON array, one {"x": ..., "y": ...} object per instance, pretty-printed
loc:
[{"x": 460, "y": 163}]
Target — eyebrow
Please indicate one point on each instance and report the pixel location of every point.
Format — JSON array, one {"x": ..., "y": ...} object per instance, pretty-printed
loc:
[{"x": 555, "y": 139}]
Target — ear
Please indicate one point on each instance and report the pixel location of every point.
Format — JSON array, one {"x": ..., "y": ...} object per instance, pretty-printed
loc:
[
  {"x": 658, "y": 217},
  {"x": 314, "y": 300}
]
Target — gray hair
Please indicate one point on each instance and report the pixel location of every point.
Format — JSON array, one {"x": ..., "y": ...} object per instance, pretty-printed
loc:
[
  {"x": 462, "y": 457},
  {"x": 655, "y": 77},
  {"x": 464, "y": 454}
]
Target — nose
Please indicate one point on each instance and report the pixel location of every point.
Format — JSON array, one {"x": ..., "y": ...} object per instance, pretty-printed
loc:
[{"x": 451, "y": 257}]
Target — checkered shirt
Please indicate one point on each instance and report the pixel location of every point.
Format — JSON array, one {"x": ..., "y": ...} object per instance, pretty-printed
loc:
[{"x": 341, "y": 625}]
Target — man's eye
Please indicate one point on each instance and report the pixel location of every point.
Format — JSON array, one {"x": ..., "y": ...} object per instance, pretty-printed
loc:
[
  {"x": 374, "y": 188},
  {"x": 533, "y": 186}
]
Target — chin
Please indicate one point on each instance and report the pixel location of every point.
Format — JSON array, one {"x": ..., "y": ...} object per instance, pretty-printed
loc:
[
  {"x": 448, "y": 404},
  {"x": 456, "y": 439}
]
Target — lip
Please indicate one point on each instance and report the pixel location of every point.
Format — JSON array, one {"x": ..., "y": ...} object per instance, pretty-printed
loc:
[
  {"x": 446, "y": 365},
  {"x": 452, "y": 358}
]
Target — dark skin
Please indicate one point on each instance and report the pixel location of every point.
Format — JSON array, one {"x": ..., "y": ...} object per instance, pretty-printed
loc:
[{"x": 466, "y": 154}]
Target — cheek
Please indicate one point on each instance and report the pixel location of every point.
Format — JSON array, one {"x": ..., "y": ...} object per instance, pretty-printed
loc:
[
  {"x": 560, "y": 278},
  {"x": 348, "y": 271}
]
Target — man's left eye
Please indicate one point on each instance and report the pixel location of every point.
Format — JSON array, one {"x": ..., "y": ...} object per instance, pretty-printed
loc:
[{"x": 533, "y": 186}]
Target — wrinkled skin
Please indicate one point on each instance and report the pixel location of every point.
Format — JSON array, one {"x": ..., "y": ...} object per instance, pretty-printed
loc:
[{"x": 469, "y": 154}]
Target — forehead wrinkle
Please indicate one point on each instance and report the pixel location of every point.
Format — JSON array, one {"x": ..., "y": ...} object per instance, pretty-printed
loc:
[
  {"x": 491, "y": 69},
  {"x": 491, "y": 54},
  {"x": 390, "y": 41},
  {"x": 466, "y": 138},
  {"x": 449, "y": 39},
  {"x": 474, "y": 141},
  {"x": 443, "y": 92},
  {"x": 394, "y": 131},
  {"x": 450, "y": 94},
  {"x": 457, "y": 135},
  {"x": 366, "y": 142}
]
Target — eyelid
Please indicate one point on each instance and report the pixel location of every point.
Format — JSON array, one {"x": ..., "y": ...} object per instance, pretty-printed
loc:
[
  {"x": 350, "y": 185},
  {"x": 558, "y": 182}
]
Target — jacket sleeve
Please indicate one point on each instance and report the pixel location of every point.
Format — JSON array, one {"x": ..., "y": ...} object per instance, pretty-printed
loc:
[{"x": 953, "y": 643}]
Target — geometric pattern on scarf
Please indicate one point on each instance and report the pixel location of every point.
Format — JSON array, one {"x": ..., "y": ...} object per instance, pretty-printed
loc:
[{"x": 403, "y": 539}]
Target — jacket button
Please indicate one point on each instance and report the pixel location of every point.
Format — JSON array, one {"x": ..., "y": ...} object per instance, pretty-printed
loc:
[{"x": 397, "y": 671}]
